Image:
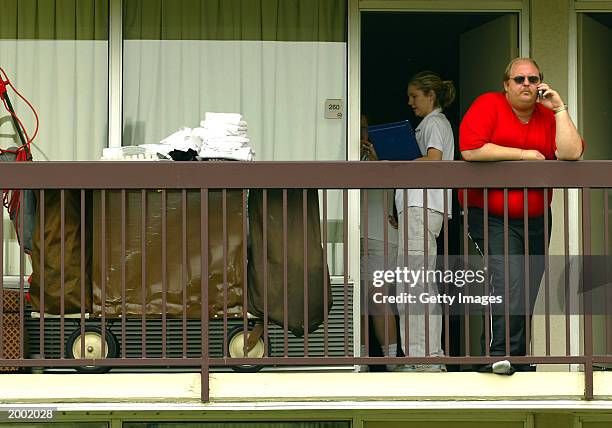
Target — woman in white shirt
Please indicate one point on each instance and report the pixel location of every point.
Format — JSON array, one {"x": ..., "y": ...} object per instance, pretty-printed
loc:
[{"x": 428, "y": 95}]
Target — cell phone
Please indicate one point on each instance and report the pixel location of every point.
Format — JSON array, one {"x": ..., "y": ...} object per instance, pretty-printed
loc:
[{"x": 540, "y": 94}]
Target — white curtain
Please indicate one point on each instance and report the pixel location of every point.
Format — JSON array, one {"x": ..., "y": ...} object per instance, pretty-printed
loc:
[
  {"x": 67, "y": 83},
  {"x": 279, "y": 87}
]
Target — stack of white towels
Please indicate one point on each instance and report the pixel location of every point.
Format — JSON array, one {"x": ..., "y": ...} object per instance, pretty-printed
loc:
[
  {"x": 224, "y": 136},
  {"x": 220, "y": 136}
]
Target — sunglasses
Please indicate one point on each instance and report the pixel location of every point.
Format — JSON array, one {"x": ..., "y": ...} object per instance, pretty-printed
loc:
[{"x": 519, "y": 80}]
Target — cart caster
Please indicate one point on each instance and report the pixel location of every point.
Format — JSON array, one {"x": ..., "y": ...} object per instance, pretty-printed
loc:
[
  {"x": 235, "y": 347},
  {"x": 93, "y": 347}
]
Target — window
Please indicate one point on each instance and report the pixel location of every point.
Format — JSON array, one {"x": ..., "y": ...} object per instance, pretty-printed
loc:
[
  {"x": 274, "y": 62},
  {"x": 55, "y": 53}
]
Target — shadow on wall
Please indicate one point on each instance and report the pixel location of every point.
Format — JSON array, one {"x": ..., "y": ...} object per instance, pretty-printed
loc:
[{"x": 134, "y": 133}]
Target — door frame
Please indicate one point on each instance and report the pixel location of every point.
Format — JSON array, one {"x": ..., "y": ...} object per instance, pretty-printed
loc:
[{"x": 354, "y": 96}]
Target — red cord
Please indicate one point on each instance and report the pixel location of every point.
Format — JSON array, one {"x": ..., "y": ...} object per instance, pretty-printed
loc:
[
  {"x": 11, "y": 198},
  {"x": 4, "y": 82}
]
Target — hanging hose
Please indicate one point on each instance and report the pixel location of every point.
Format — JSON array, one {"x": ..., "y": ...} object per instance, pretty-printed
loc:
[{"x": 11, "y": 197}]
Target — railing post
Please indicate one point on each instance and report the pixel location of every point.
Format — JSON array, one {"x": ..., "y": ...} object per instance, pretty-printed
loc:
[
  {"x": 204, "y": 374},
  {"x": 586, "y": 292}
]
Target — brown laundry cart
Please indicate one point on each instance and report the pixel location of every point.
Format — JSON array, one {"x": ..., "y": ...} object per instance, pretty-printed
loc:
[{"x": 104, "y": 268}]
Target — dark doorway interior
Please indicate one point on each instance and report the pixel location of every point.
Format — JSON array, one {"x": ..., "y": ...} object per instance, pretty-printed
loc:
[
  {"x": 602, "y": 18},
  {"x": 395, "y": 46}
]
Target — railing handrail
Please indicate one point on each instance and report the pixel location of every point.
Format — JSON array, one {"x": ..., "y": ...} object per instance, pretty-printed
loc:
[{"x": 326, "y": 174}]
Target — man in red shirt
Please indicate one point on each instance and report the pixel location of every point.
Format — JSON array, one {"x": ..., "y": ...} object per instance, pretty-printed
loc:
[{"x": 527, "y": 121}]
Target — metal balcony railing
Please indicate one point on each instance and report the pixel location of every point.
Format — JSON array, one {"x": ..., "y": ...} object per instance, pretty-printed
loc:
[{"x": 165, "y": 264}]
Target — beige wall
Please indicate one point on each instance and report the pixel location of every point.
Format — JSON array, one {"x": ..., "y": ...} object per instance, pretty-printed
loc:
[
  {"x": 549, "y": 38},
  {"x": 549, "y": 30}
]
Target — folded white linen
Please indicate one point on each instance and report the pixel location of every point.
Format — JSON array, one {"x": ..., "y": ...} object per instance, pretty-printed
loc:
[
  {"x": 179, "y": 135},
  {"x": 225, "y": 128},
  {"x": 226, "y": 148},
  {"x": 215, "y": 122},
  {"x": 218, "y": 132},
  {"x": 192, "y": 143},
  {"x": 162, "y": 149},
  {"x": 226, "y": 140},
  {"x": 243, "y": 154},
  {"x": 183, "y": 140}
]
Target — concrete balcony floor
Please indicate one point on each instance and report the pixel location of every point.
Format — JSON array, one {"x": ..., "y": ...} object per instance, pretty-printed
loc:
[{"x": 403, "y": 389}]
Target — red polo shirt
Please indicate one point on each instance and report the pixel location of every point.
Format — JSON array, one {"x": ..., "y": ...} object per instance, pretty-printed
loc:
[{"x": 490, "y": 119}]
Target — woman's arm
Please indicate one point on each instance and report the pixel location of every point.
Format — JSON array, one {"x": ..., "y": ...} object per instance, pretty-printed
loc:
[{"x": 432, "y": 154}]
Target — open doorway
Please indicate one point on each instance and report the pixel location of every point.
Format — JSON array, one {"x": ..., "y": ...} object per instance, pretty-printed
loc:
[{"x": 471, "y": 49}]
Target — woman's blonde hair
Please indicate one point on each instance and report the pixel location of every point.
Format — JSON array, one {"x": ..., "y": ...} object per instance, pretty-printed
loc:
[{"x": 428, "y": 81}]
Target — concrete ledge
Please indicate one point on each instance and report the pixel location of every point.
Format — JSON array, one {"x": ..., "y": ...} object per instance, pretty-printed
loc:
[
  {"x": 297, "y": 387},
  {"x": 602, "y": 385}
]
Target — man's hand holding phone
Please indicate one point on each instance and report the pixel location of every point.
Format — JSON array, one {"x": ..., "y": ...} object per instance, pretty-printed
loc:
[{"x": 548, "y": 97}]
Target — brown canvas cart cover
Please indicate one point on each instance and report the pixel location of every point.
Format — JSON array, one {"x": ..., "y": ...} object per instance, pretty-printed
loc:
[
  {"x": 166, "y": 270},
  {"x": 50, "y": 253},
  {"x": 307, "y": 277}
]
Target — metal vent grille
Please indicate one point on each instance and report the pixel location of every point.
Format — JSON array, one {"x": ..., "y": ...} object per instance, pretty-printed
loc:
[{"x": 174, "y": 334}]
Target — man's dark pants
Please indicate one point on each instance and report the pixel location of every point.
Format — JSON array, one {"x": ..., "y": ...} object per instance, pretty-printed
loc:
[{"x": 516, "y": 275}]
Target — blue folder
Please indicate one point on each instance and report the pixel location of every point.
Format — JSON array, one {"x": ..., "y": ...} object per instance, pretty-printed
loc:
[{"x": 394, "y": 141}]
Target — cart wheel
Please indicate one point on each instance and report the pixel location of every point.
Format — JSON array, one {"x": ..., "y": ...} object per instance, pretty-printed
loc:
[
  {"x": 235, "y": 349},
  {"x": 93, "y": 347}
]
